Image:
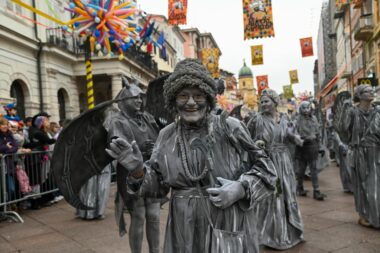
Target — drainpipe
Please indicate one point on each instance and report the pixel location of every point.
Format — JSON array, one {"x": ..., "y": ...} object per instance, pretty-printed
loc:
[{"x": 39, "y": 53}]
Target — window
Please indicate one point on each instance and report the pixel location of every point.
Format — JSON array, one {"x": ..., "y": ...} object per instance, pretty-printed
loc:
[
  {"x": 62, "y": 105},
  {"x": 243, "y": 84}
]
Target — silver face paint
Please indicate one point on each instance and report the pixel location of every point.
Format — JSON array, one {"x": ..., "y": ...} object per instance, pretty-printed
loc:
[{"x": 191, "y": 105}]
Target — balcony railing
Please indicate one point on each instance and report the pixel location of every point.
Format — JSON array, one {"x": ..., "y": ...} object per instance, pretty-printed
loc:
[
  {"x": 71, "y": 43},
  {"x": 364, "y": 28}
]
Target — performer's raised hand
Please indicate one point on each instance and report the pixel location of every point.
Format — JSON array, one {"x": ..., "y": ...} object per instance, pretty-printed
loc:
[
  {"x": 227, "y": 194},
  {"x": 128, "y": 155}
]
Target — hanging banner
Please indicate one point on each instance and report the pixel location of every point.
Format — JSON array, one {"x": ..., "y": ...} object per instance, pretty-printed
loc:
[
  {"x": 258, "y": 19},
  {"x": 340, "y": 3},
  {"x": 307, "y": 46},
  {"x": 177, "y": 12},
  {"x": 293, "y": 74},
  {"x": 210, "y": 59},
  {"x": 257, "y": 55},
  {"x": 288, "y": 91},
  {"x": 262, "y": 83}
]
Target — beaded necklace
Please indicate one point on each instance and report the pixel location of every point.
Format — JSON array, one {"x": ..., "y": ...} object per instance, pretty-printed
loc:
[{"x": 184, "y": 153}]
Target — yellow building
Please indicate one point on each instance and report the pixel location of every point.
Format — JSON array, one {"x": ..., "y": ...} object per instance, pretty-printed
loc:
[{"x": 247, "y": 87}]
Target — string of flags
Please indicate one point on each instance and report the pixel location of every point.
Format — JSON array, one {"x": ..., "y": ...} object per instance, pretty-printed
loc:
[{"x": 112, "y": 29}]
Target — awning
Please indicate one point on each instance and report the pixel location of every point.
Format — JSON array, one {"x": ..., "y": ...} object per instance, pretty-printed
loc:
[{"x": 328, "y": 87}]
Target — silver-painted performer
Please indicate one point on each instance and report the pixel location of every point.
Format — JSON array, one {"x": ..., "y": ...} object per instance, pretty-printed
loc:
[
  {"x": 340, "y": 141},
  {"x": 214, "y": 170},
  {"x": 308, "y": 128},
  {"x": 280, "y": 224},
  {"x": 133, "y": 124},
  {"x": 362, "y": 122}
]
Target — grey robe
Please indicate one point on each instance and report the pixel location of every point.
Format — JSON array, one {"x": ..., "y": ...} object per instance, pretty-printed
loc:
[
  {"x": 364, "y": 129},
  {"x": 341, "y": 155},
  {"x": 280, "y": 224},
  {"x": 95, "y": 193},
  {"x": 235, "y": 157}
]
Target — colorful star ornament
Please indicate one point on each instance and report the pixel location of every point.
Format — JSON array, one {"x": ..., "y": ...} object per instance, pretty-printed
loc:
[{"x": 111, "y": 27}]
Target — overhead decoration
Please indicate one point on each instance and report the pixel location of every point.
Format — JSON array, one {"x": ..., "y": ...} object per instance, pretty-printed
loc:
[
  {"x": 293, "y": 74},
  {"x": 288, "y": 91},
  {"x": 262, "y": 83},
  {"x": 177, "y": 12},
  {"x": 258, "y": 19},
  {"x": 41, "y": 13},
  {"x": 257, "y": 55},
  {"x": 307, "y": 47},
  {"x": 110, "y": 26},
  {"x": 210, "y": 59}
]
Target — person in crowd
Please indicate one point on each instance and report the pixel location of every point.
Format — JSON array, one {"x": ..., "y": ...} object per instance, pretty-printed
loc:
[
  {"x": 27, "y": 125},
  {"x": 279, "y": 219},
  {"x": 133, "y": 124},
  {"x": 18, "y": 135},
  {"x": 213, "y": 167},
  {"x": 8, "y": 146},
  {"x": 38, "y": 165},
  {"x": 54, "y": 130},
  {"x": 361, "y": 122},
  {"x": 307, "y": 155},
  {"x": 11, "y": 112}
]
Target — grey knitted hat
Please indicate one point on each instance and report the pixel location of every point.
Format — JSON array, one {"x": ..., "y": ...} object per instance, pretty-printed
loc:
[
  {"x": 189, "y": 73},
  {"x": 359, "y": 90},
  {"x": 272, "y": 94}
]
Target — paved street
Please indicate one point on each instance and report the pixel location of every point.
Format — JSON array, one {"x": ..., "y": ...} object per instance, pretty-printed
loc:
[{"x": 330, "y": 226}]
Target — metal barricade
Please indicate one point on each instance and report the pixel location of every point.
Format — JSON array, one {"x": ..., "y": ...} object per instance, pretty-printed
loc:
[{"x": 24, "y": 176}]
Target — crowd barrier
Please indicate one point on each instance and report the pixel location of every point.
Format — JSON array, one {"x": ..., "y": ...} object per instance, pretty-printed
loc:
[{"x": 24, "y": 176}]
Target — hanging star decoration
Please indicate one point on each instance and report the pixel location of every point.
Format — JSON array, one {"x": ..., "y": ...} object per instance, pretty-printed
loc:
[{"x": 111, "y": 27}]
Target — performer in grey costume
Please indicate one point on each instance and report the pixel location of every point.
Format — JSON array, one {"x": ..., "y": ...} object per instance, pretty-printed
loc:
[
  {"x": 309, "y": 129},
  {"x": 132, "y": 124},
  {"x": 279, "y": 219},
  {"x": 340, "y": 141},
  {"x": 95, "y": 194},
  {"x": 214, "y": 170},
  {"x": 362, "y": 123}
]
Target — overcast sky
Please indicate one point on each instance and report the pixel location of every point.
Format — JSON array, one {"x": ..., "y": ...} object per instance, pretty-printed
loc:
[{"x": 293, "y": 19}]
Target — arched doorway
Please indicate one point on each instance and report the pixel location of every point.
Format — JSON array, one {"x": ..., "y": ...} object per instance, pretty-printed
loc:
[
  {"x": 18, "y": 94},
  {"x": 62, "y": 102}
]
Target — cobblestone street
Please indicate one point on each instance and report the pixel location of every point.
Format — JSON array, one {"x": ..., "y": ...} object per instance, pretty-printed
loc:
[{"x": 330, "y": 226}]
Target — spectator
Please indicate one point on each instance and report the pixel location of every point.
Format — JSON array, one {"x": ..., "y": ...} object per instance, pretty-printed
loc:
[
  {"x": 54, "y": 130},
  {"x": 18, "y": 135},
  {"x": 8, "y": 145},
  {"x": 38, "y": 166},
  {"x": 11, "y": 112},
  {"x": 28, "y": 123}
]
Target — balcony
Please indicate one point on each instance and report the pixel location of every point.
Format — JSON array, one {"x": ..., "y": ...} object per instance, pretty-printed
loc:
[
  {"x": 363, "y": 31},
  {"x": 338, "y": 14},
  {"x": 75, "y": 45}
]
